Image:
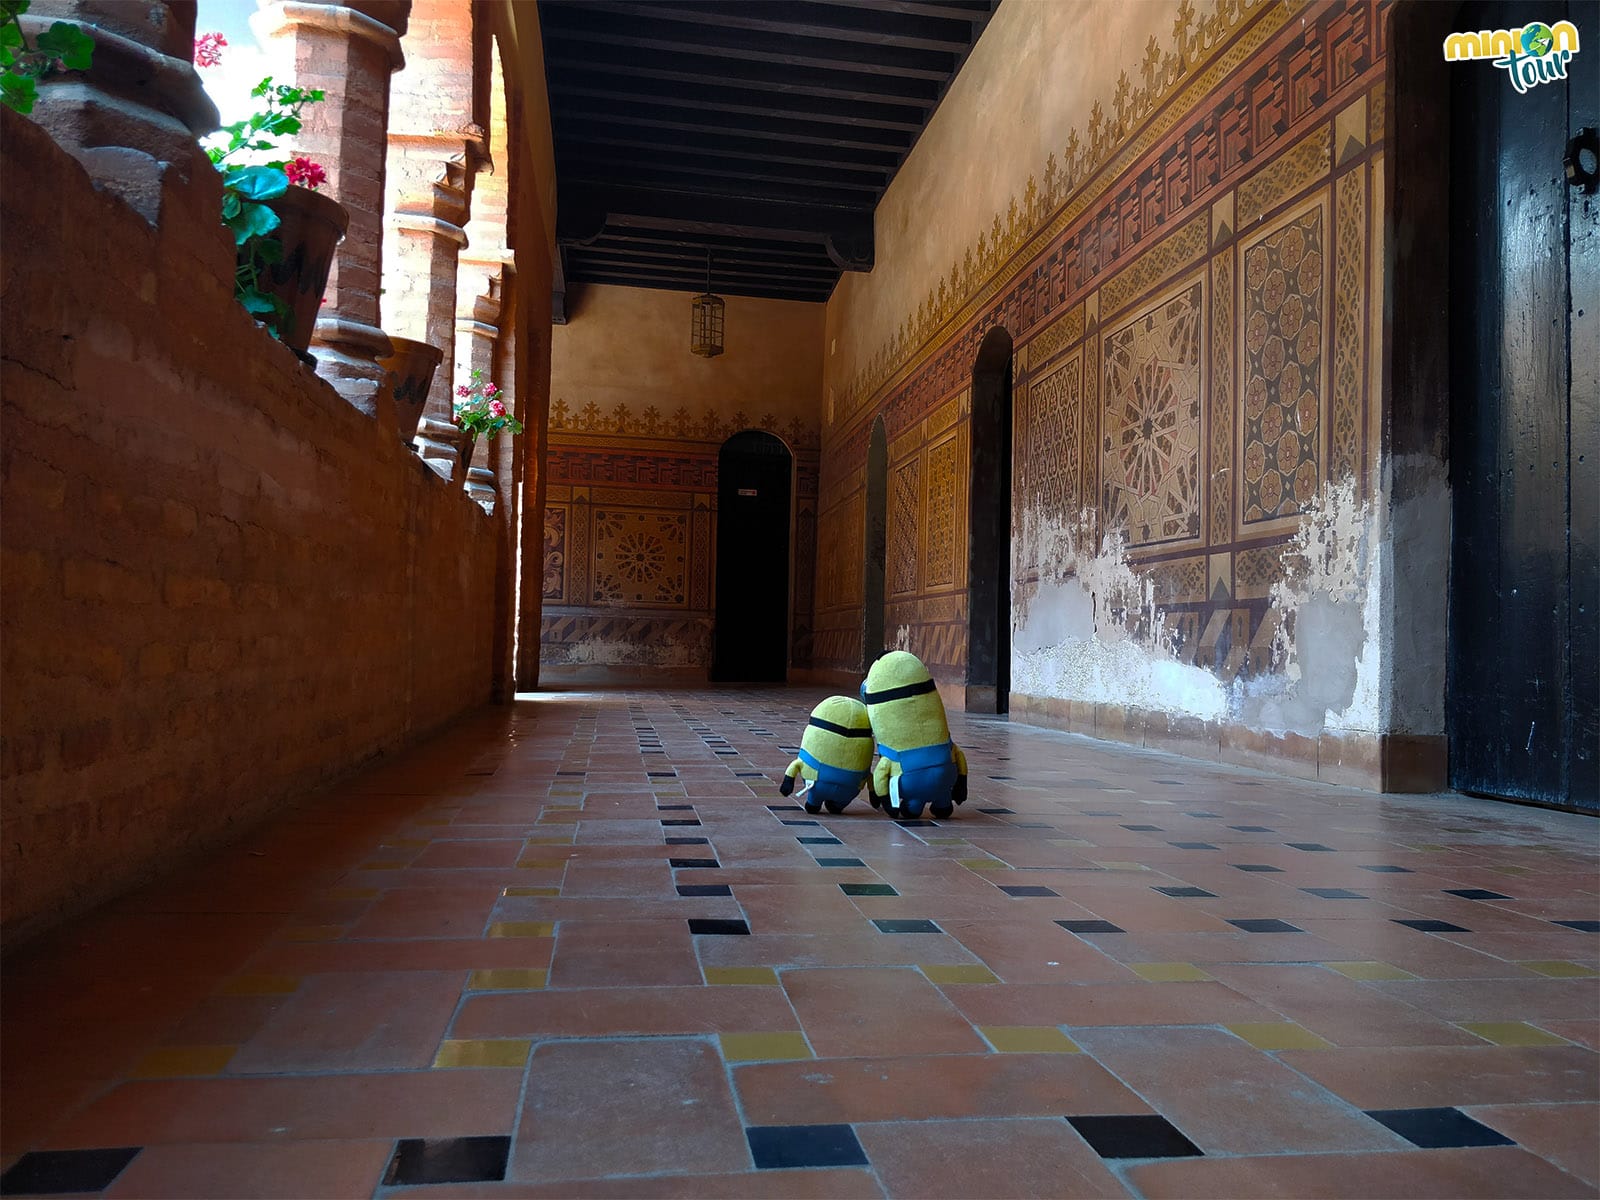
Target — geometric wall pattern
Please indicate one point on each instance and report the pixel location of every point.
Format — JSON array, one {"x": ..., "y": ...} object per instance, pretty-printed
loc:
[
  {"x": 640, "y": 558},
  {"x": 1233, "y": 250}
]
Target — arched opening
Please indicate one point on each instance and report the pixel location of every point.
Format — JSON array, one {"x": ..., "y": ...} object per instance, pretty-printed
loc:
[
  {"x": 875, "y": 543},
  {"x": 755, "y": 474},
  {"x": 989, "y": 543}
]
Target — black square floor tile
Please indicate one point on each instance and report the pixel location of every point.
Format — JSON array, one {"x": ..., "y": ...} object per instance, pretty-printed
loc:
[
  {"x": 1143, "y": 828},
  {"x": 1090, "y": 927},
  {"x": 1313, "y": 846},
  {"x": 1101, "y": 814},
  {"x": 1428, "y": 926},
  {"x": 680, "y": 821},
  {"x": 1580, "y": 926},
  {"x": 573, "y": 774},
  {"x": 1147, "y": 1135},
  {"x": 840, "y": 862},
  {"x": 1389, "y": 870},
  {"x": 1204, "y": 816},
  {"x": 784, "y": 808},
  {"x": 867, "y": 889},
  {"x": 448, "y": 1160},
  {"x": 905, "y": 925},
  {"x": 995, "y": 811},
  {"x": 1265, "y": 925},
  {"x": 775, "y": 1147},
  {"x": 1438, "y": 1128},
  {"x": 704, "y": 889},
  {"x": 819, "y": 841},
  {"x": 693, "y": 862},
  {"x": 1024, "y": 891},
  {"x": 1475, "y": 894},
  {"x": 660, "y": 774},
  {"x": 1251, "y": 828},
  {"x": 688, "y": 841},
  {"x": 711, "y": 925},
  {"x": 42, "y": 1172},
  {"x": 1334, "y": 893},
  {"x": 1002, "y": 778},
  {"x": 797, "y": 823},
  {"x": 1184, "y": 891},
  {"x": 674, "y": 808},
  {"x": 1191, "y": 845},
  {"x": 1263, "y": 867}
]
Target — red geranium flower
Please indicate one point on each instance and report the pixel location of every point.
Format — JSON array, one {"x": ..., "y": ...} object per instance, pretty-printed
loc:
[
  {"x": 305, "y": 173},
  {"x": 208, "y": 49}
]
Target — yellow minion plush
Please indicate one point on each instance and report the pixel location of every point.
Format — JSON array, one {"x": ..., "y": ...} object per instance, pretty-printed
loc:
[
  {"x": 918, "y": 764},
  {"x": 835, "y": 755}
]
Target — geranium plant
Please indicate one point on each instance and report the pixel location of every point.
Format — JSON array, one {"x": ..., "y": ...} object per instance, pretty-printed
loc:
[
  {"x": 64, "y": 46},
  {"x": 247, "y": 188},
  {"x": 480, "y": 408}
]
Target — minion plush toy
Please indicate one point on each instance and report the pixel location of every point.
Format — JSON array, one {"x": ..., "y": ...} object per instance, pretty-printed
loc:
[
  {"x": 835, "y": 755},
  {"x": 918, "y": 764}
]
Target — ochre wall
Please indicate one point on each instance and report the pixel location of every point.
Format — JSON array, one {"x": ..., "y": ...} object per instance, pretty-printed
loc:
[
  {"x": 222, "y": 585},
  {"x": 636, "y": 421},
  {"x": 1178, "y": 217}
]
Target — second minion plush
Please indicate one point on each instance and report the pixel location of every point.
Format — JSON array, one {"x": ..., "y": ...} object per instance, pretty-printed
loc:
[
  {"x": 918, "y": 764},
  {"x": 835, "y": 755}
]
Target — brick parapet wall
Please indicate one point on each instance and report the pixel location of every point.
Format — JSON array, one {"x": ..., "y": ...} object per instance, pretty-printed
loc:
[{"x": 221, "y": 585}]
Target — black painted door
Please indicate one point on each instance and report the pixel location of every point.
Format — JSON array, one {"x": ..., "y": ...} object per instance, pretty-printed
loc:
[
  {"x": 752, "y": 613},
  {"x": 1525, "y": 434}
]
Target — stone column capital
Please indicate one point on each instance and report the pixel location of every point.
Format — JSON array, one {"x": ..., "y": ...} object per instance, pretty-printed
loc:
[{"x": 279, "y": 17}]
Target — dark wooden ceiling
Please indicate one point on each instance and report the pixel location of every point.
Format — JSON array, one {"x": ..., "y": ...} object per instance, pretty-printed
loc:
[{"x": 762, "y": 131}]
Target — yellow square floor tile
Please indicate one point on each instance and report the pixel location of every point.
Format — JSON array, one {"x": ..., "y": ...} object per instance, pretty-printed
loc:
[
  {"x": 169, "y": 1062},
  {"x": 543, "y": 864},
  {"x": 964, "y": 973},
  {"x": 1561, "y": 970},
  {"x": 550, "y": 841},
  {"x": 1512, "y": 1033},
  {"x": 1368, "y": 970},
  {"x": 1279, "y": 1035},
  {"x": 1167, "y": 972},
  {"x": 983, "y": 864},
  {"x": 260, "y": 985},
  {"x": 741, "y": 976},
  {"x": 1122, "y": 866},
  {"x": 492, "y": 1052},
  {"x": 558, "y": 818},
  {"x": 555, "y": 808},
  {"x": 763, "y": 1047},
  {"x": 312, "y": 933},
  {"x": 530, "y": 891},
  {"x": 1028, "y": 1039},
  {"x": 508, "y": 979},
  {"x": 522, "y": 929}
]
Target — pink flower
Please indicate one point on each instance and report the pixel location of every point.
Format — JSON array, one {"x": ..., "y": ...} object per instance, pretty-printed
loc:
[
  {"x": 490, "y": 389},
  {"x": 305, "y": 173},
  {"x": 208, "y": 49},
  {"x": 463, "y": 390},
  {"x": 496, "y": 409}
]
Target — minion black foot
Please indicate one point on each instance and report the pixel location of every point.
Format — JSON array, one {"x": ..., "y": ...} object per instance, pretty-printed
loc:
[
  {"x": 813, "y": 809},
  {"x": 942, "y": 812}
]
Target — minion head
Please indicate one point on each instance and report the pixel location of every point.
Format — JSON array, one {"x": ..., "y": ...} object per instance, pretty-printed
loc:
[
  {"x": 839, "y": 734},
  {"x": 904, "y": 703}
]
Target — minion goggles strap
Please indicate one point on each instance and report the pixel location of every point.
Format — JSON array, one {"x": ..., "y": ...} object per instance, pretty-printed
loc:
[
  {"x": 839, "y": 729},
  {"x": 899, "y": 693}
]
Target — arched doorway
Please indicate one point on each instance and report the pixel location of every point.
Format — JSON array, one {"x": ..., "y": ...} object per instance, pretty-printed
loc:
[
  {"x": 989, "y": 541},
  {"x": 875, "y": 544},
  {"x": 755, "y": 474}
]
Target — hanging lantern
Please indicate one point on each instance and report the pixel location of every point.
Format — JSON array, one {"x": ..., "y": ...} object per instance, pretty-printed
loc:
[{"x": 705, "y": 324}]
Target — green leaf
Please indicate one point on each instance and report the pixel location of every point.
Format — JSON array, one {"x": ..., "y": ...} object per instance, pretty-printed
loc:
[
  {"x": 256, "y": 183},
  {"x": 231, "y": 204},
  {"x": 10, "y": 32},
  {"x": 69, "y": 43},
  {"x": 268, "y": 250},
  {"x": 18, "y": 92},
  {"x": 254, "y": 220},
  {"x": 257, "y": 303}
]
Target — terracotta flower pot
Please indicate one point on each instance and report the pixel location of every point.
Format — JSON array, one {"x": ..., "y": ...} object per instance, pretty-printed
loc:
[
  {"x": 311, "y": 225},
  {"x": 408, "y": 374}
]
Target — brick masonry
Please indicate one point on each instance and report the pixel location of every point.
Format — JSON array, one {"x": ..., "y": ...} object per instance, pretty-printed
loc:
[{"x": 222, "y": 585}]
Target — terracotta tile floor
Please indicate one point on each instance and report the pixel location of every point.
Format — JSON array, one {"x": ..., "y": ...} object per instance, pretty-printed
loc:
[{"x": 584, "y": 948}]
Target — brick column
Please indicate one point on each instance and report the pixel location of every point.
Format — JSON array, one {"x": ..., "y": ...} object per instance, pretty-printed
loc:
[
  {"x": 138, "y": 111},
  {"x": 349, "y": 51}
]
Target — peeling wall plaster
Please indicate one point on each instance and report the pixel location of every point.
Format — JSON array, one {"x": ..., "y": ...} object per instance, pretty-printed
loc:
[{"x": 1091, "y": 628}]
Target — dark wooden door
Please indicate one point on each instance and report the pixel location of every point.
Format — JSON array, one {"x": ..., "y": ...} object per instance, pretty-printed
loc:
[
  {"x": 752, "y": 606},
  {"x": 989, "y": 520},
  {"x": 1522, "y": 686}
]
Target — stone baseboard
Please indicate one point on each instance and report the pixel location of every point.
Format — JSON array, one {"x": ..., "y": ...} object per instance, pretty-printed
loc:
[
  {"x": 1377, "y": 762},
  {"x": 558, "y": 676}
]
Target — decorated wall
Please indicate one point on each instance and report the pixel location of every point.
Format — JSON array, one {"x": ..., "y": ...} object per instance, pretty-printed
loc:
[
  {"x": 1190, "y": 263},
  {"x": 636, "y": 422}
]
